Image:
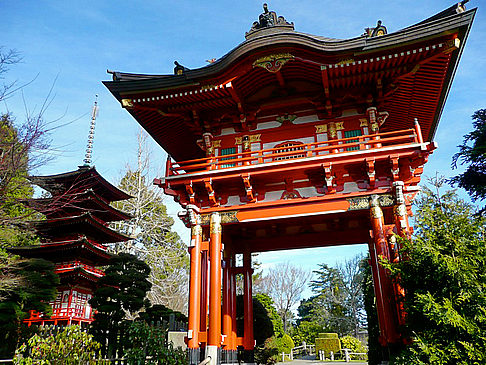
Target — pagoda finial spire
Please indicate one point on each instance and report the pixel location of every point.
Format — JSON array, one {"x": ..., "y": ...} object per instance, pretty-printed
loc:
[{"x": 89, "y": 146}]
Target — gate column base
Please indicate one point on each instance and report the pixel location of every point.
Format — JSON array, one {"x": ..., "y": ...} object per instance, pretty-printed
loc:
[
  {"x": 194, "y": 356},
  {"x": 215, "y": 353},
  {"x": 229, "y": 357}
]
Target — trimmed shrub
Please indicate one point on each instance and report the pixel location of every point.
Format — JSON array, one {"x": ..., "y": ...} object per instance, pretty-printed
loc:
[
  {"x": 285, "y": 344},
  {"x": 353, "y": 344},
  {"x": 328, "y": 342}
]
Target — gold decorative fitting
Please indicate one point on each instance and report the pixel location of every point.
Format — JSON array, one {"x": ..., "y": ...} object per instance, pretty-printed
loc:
[
  {"x": 339, "y": 126},
  {"x": 321, "y": 128},
  {"x": 196, "y": 230},
  {"x": 127, "y": 103},
  {"x": 215, "y": 223},
  {"x": 207, "y": 87},
  {"x": 363, "y": 122},
  {"x": 400, "y": 210},
  {"x": 217, "y": 143},
  {"x": 376, "y": 212},
  {"x": 346, "y": 61},
  {"x": 286, "y": 119},
  {"x": 226, "y": 217},
  {"x": 363, "y": 202},
  {"x": 253, "y": 138},
  {"x": 273, "y": 63},
  {"x": 375, "y": 127}
]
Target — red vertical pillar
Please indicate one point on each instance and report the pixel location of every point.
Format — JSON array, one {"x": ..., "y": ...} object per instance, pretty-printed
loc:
[
  {"x": 385, "y": 298},
  {"x": 203, "y": 326},
  {"x": 249, "y": 341},
  {"x": 233, "y": 307},
  {"x": 214, "y": 330},
  {"x": 194, "y": 317},
  {"x": 227, "y": 353},
  {"x": 403, "y": 229}
]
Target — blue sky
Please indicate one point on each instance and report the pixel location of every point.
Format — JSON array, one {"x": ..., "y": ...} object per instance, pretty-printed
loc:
[{"x": 71, "y": 44}]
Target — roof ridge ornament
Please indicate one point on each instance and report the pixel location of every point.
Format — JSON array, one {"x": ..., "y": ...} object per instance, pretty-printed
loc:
[
  {"x": 269, "y": 19},
  {"x": 377, "y": 31}
]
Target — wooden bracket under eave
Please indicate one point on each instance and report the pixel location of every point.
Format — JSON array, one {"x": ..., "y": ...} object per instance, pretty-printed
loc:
[
  {"x": 190, "y": 193},
  {"x": 248, "y": 188},
  {"x": 327, "y": 167},
  {"x": 395, "y": 169},
  {"x": 211, "y": 194},
  {"x": 370, "y": 170}
]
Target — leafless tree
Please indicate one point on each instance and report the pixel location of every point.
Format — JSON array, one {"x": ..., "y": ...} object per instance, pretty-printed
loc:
[
  {"x": 285, "y": 283},
  {"x": 352, "y": 273},
  {"x": 153, "y": 241}
]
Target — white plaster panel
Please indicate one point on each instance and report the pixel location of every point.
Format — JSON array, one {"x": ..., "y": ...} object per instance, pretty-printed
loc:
[
  {"x": 306, "y": 119},
  {"x": 227, "y": 131},
  {"x": 233, "y": 200},
  {"x": 351, "y": 187},
  {"x": 273, "y": 195},
  {"x": 307, "y": 192},
  {"x": 267, "y": 125},
  {"x": 349, "y": 112}
]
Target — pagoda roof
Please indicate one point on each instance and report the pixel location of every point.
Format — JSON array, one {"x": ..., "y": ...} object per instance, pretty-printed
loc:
[
  {"x": 84, "y": 178},
  {"x": 80, "y": 249},
  {"x": 75, "y": 204},
  {"x": 418, "y": 63},
  {"x": 78, "y": 275},
  {"x": 81, "y": 225}
]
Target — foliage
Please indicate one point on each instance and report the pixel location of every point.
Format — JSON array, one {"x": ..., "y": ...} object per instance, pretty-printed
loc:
[
  {"x": 445, "y": 282},
  {"x": 284, "y": 344},
  {"x": 474, "y": 178},
  {"x": 71, "y": 346},
  {"x": 268, "y": 353},
  {"x": 144, "y": 340},
  {"x": 375, "y": 350},
  {"x": 160, "y": 313},
  {"x": 122, "y": 291},
  {"x": 35, "y": 287},
  {"x": 262, "y": 323},
  {"x": 328, "y": 342},
  {"x": 337, "y": 304},
  {"x": 154, "y": 242},
  {"x": 268, "y": 304},
  {"x": 306, "y": 331},
  {"x": 353, "y": 344}
]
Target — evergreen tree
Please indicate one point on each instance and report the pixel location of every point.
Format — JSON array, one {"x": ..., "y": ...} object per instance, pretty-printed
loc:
[
  {"x": 474, "y": 155},
  {"x": 121, "y": 293},
  {"x": 154, "y": 241},
  {"x": 445, "y": 282},
  {"x": 35, "y": 287}
]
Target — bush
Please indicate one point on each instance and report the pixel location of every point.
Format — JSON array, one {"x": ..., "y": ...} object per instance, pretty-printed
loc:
[
  {"x": 328, "y": 342},
  {"x": 306, "y": 332},
  {"x": 285, "y": 344},
  {"x": 268, "y": 353},
  {"x": 353, "y": 344},
  {"x": 71, "y": 346},
  {"x": 144, "y": 340}
]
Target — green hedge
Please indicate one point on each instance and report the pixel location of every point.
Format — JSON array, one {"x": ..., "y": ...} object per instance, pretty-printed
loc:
[{"x": 328, "y": 342}]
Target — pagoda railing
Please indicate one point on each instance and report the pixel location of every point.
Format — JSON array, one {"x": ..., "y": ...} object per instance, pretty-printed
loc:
[{"x": 299, "y": 151}]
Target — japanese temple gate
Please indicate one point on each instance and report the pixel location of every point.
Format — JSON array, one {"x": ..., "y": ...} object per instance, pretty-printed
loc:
[{"x": 294, "y": 141}]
